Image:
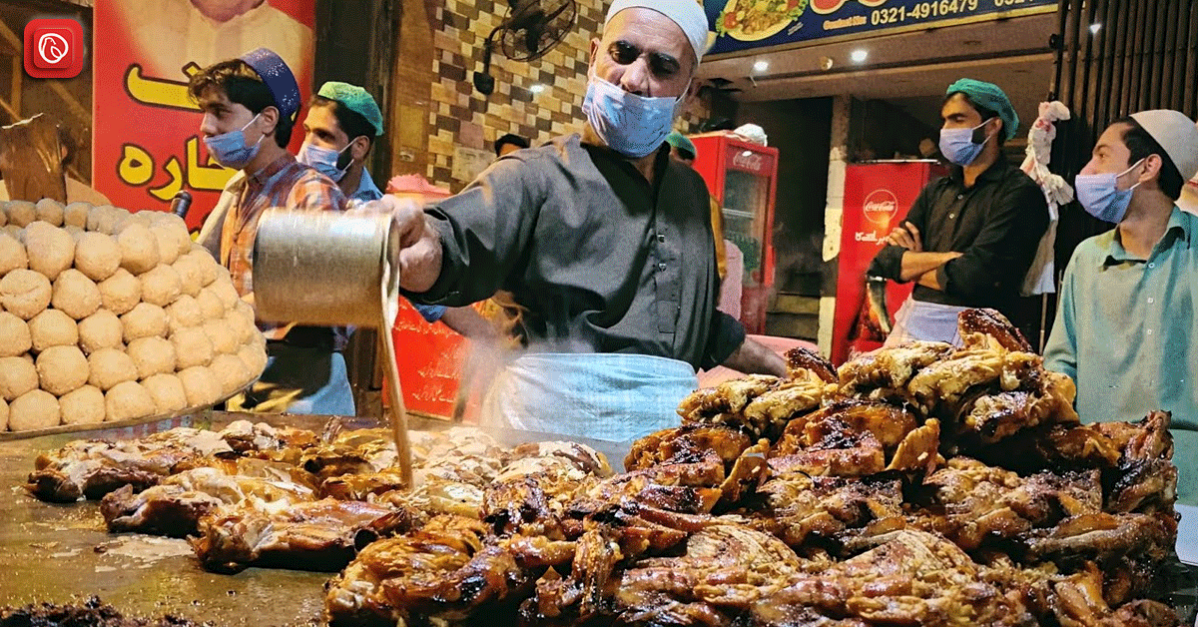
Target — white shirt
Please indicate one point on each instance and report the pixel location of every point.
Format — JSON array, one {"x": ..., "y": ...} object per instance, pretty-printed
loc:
[{"x": 169, "y": 34}]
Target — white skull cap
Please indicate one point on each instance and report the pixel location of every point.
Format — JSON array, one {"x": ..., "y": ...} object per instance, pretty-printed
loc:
[
  {"x": 1177, "y": 134},
  {"x": 687, "y": 14}
]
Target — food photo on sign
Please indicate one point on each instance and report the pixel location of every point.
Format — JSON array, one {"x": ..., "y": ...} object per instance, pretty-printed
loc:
[{"x": 740, "y": 25}]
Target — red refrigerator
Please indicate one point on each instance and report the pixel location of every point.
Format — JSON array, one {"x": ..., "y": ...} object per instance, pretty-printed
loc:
[
  {"x": 742, "y": 177},
  {"x": 877, "y": 197}
]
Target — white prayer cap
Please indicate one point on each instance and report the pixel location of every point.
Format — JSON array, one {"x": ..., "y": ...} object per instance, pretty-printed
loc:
[
  {"x": 1176, "y": 134},
  {"x": 687, "y": 14}
]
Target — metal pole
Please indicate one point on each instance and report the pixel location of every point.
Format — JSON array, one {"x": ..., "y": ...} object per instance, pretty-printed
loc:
[
  {"x": 1190, "y": 106},
  {"x": 1087, "y": 61}
]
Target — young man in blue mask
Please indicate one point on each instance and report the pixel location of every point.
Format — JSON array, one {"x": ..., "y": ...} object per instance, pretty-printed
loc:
[
  {"x": 340, "y": 128},
  {"x": 1126, "y": 329},
  {"x": 250, "y": 106},
  {"x": 603, "y": 240},
  {"x": 970, "y": 237}
]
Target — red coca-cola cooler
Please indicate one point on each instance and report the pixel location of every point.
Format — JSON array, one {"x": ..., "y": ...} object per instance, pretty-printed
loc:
[
  {"x": 742, "y": 177},
  {"x": 877, "y": 197}
]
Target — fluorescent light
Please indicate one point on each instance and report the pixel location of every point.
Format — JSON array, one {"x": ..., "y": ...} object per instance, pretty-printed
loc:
[
  {"x": 859, "y": 56},
  {"x": 761, "y": 66},
  {"x": 537, "y": 88},
  {"x": 1094, "y": 28}
]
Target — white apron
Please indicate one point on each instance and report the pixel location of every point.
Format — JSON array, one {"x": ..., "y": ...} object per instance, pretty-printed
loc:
[
  {"x": 917, "y": 320},
  {"x": 602, "y": 396}
]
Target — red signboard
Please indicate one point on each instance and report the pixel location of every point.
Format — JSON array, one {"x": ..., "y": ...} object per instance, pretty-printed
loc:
[
  {"x": 877, "y": 197},
  {"x": 146, "y": 144},
  {"x": 430, "y": 359}
]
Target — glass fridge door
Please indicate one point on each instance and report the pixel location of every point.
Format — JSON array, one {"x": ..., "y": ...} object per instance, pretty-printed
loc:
[
  {"x": 746, "y": 212},
  {"x": 746, "y": 198}
]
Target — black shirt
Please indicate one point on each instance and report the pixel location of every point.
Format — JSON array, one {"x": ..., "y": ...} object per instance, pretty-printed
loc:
[
  {"x": 602, "y": 261},
  {"x": 997, "y": 224}
]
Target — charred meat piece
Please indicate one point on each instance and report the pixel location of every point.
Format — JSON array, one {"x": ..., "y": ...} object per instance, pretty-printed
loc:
[
  {"x": 848, "y": 438},
  {"x": 686, "y": 445},
  {"x": 1135, "y": 459},
  {"x": 91, "y": 468},
  {"x": 1078, "y": 601},
  {"x": 1105, "y": 537},
  {"x": 680, "y": 488},
  {"x": 362, "y": 487},
  {"x": 437, "y": 497},
  {"x": 163, "y": 510},
  {"x": 768, "y": 414},
  {"x": 267, "y": 442},
  {"x": 728, "y": 398},
  {"x": 175, "y": 506},
  {"x": 803, "y": 363},
  {"x": 971, "y": 503},
  {"x": 724, "y": 572},
  {"x": 991, "y": 418},
  {"x": 987, "y": 328},
  {"x": 799, "y": 507},
  {"x": 915, "y": 578},
  {"x": 885, "y": 372},
  {"x": 584, "y": 458},
  {"x": 440, "y": 571},
  {"x": 759, "y": 405},
  {"x": 317, "y": 535},
  {"x": 918, "y": 450},
  {"x": 941, "y": 388}
]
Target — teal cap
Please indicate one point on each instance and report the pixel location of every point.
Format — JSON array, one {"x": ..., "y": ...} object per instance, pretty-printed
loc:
[
  {"x": 989, "y": 95},
  {"x": 679, "y": 141},
  {"x": 355, "y": 99}
]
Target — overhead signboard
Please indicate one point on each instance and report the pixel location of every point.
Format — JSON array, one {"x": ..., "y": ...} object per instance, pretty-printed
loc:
[{"x": 743, "y": 25}]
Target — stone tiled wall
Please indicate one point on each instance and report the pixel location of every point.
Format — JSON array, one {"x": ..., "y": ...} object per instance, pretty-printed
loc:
[{"x": 459, "y": 116}]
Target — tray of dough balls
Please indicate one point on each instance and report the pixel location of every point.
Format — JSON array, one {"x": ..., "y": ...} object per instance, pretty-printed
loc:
[{"x": 113, "y": 317}]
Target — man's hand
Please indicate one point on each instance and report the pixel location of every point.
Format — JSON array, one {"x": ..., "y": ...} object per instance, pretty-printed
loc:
[
  {"x": 420, "y": 245},
  {"x": 906, "y": 236},
  {"x": 755, "y": 358}
]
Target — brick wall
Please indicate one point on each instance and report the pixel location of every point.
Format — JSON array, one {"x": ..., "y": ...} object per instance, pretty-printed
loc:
[{"x": 459, "y": 116}]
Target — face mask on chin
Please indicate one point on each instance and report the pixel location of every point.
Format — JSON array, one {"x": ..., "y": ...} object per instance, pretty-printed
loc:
[
  {"x": 1100, "y": 196},
  {"x": 631, "y": 125}
]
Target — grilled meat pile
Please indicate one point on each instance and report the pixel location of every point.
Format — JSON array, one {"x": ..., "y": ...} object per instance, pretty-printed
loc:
[
  {"x": 256, "y": 495},
  {"x": 919, "y": 485},
  {"x": 889, "y": 493}
]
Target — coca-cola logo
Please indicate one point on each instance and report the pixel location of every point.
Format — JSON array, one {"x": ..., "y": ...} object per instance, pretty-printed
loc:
[
  {"x": 880, "y": 207},
  {"x": 748, "y": 160}
]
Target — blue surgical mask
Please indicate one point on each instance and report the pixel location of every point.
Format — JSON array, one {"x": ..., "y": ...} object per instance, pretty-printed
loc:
[
  {"x": 1100, "y": 196},
  {"x": 324, "y": 160},
  {"x": 631, "y": 125},
  {"x": 957, "y": 145},
  {"x": 229, "y": 149}
]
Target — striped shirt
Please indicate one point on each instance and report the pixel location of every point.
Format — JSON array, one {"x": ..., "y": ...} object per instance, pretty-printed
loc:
[{"x": 284, "y": 184}]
